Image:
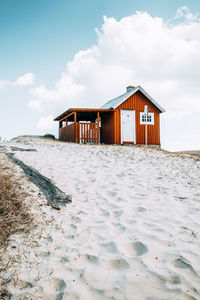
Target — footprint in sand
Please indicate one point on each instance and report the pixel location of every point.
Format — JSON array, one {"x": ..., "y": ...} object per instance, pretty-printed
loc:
[
  {"x": 118, "y": 213},
  {"x": 110, "y": 247},
  {"x": 119, "y": 264},
  {"x": 121, "y": 199},
  {"x": 174, "y": 279},
  {"x": 112, "y": 206},
  {"x": 118, "y": 227},
  {"x": 74, "y": 227},
  {"x": 141, "y": 209},
  {"x": 182, "y": 263},
  {"x": 61, "y": 285},
  {"x": 76, "y": 219},
  {"x": 105, "y": 212},
  {"x": 64, "y": 259},
  {"x": 92, "y": 259},
  {"x": 70, "y": 236},
  {"x": 111, "y": 193},
  {"x": 56, "y": 285},
  {"x": 139, "y": 248},
  {"x": 133, "y": 248}
]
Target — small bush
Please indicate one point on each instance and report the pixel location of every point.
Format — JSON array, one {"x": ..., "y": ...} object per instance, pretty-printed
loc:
[{"x": 49, "y": 136}]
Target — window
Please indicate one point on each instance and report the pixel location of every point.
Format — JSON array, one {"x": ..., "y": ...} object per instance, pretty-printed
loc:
[{"x": 149, "y": 119}]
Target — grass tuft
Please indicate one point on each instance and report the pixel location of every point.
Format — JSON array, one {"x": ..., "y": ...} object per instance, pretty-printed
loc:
[
  {"x": 14, "y": 217},
  {"x": 49, "y": 136}
]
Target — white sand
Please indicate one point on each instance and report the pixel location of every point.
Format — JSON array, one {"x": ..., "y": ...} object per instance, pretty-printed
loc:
[{"x": 132, "y": 230}]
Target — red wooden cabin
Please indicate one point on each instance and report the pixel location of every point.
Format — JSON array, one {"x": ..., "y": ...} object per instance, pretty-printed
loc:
[{"x": 119, "y": 121}]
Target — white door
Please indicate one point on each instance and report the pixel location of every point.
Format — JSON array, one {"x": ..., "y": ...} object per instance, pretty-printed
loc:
[{"x": 128, "y": 126}]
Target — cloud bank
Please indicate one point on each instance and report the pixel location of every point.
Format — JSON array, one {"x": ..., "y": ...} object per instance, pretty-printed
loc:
[{"x": 164, "y": 58}]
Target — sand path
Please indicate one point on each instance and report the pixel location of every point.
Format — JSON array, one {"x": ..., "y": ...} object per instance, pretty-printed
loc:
[{"x": 132, "y": 230}]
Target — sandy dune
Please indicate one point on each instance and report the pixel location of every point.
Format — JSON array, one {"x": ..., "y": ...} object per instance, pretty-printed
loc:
[{"x": 132, "y": 230}]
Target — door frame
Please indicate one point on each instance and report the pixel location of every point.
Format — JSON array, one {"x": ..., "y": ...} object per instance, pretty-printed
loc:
[{"x": 134, "y": 133}]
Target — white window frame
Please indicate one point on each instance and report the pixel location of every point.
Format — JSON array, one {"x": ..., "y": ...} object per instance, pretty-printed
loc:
[{"x": 143, "y": 119}]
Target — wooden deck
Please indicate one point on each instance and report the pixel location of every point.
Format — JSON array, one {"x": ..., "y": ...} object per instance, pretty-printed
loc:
[{"x": 82, "y": 132}]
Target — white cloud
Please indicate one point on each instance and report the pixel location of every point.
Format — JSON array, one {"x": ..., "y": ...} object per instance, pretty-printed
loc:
[
  {"x": 66, "y": 88},
  {"x": 139, "y": 49},
  {"x": 46, "y": 123},
  {"x": 24, "y": 80},
  {"x": 184, "y": 13},
  {"x": 3, "y": 84},
  {"x": 27, "y": 79}
]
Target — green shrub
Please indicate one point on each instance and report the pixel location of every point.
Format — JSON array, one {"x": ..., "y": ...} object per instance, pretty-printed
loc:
[{"x": 49, "y": 136}]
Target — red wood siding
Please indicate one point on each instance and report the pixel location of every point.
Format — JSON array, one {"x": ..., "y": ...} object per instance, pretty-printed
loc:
[
  {"x": 137, "y": 102},
  {"x": 107, "y": 128},
  {"x": 69, "y": 133}
]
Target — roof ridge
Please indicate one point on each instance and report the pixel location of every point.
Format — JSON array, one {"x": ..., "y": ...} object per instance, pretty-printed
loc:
[{"x": 115, "y": 102}]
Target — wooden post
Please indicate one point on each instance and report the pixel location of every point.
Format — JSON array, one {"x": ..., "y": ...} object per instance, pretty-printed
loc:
[
  {"x": 92, "y": 127},
  {"x": 76, "y": 136},
  {"x": 76, "y": 131},
  {"x": 146, "y": 132},
  {"x": 115, "y": 128},
  {"x": 89, "y": 128},
  {"x": 80, "y": 124},
  {"x": 98, "y": 140},
  {"x": 59, "y": 130},
  {"x": 146, "y": 114}
]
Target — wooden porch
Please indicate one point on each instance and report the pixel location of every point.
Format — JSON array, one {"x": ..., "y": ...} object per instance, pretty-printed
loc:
[
  {"x": 81, "y": 125},
  {"x": 82, "y": 133}
]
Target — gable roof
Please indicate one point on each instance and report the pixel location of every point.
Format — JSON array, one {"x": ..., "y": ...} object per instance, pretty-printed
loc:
[
  {"x": 114, "y": 103},
  {"x": 81, "y": 112}
]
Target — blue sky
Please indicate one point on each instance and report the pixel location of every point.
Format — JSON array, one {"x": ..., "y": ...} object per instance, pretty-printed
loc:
[{"x": 42, "y": 37}]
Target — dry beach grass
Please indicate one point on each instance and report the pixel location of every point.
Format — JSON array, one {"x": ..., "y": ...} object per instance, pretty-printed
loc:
[
  {"x": 193, "y": 153},
  {"x": 14, "y": 216},
  {"x": 25, "y": 223}
]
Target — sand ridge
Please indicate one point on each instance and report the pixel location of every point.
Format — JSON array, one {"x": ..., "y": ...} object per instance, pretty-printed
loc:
[{"x": 131, "y": 231}]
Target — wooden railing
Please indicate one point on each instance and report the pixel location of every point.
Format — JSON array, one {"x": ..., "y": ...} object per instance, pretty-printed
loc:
[
  {"x": 88, "y": 133},
  {"x": 80, "y": 133}
]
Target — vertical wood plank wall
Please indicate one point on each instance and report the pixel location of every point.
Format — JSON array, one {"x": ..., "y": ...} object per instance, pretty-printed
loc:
[
  {"x": 69, "y": 133},
  {"x": 107, "y": 128},
  {"x": 137, "y": 102}
]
